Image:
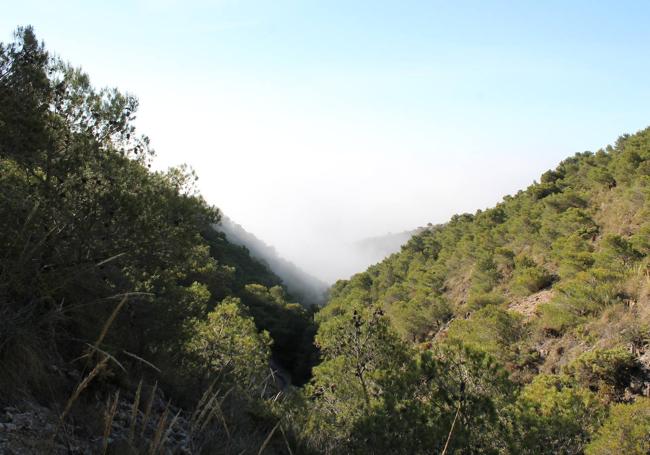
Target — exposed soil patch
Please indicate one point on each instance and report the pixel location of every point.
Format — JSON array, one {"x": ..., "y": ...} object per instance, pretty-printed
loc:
[{"x": 528, "y": 305}]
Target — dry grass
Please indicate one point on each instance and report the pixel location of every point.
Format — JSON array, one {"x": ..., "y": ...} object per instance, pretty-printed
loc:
[
  {"x": 268, "y": 438},
  {"x": 134, "y": 412},
  {"x": 160, "y": 431},
  {"x": 81, "y": 386},
  {"x": 147, "y": 412},
  {"x": 109, "y": 415}
]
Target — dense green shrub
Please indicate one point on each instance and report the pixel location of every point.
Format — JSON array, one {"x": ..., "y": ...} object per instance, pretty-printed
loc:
[
  {"x": 607, "y": 371},
  {"x": 554, "y": 414},
  {"x": 530, "y": 278},
  {"x": 589, "y": 292},
  {"x": 478, "y": 301},
  {"x": 485, "y": 275},
  {"x": 573, "y": 254},
  {"x": 227, "y": 344},
  {"x": 491, "y": 330},
  {"x": 555, "y": 319},
  {"x": 626, "y": 430},
  {"x": 416, "y": 319}
]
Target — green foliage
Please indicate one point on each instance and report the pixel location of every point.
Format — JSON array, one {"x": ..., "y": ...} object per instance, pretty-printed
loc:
[
  {"x": 364, "y": 363},
  {"x": 411, "y": 405},
  {"x": 572, "y": 221},
  {"x": 364, "y": 348},
  {"x": 450, "y": 383},
  {"x": 625, "y": 431},
  {"x": 587, "y": 293},
  {"x": 478, "y": 301},
  {"x": 616, "y": 251},
  {"x": 607, "y": 371},
  {"x": 641, "y": 240},
  {"x": 573, "y": 254},
  {"x": 491, "y": 330},
  {"x": 84, "y": 222},
  {"x": 555, "y": 319},
  {"x": 459, "y": 377},
  {"x": 290, "y": 325},
  {"x": 554, "y": 414},
  {"x": 602, "y": 176},
  {"x": 563, "y": 201},
  {"x": 227, "y": 344},
  {"x": 485, "y": 275},
  {"x": 529, "y": 278},
  {"x": 414, "y": 320}
]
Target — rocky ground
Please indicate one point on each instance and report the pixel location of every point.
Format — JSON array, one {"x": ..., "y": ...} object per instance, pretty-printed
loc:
[{"x": 27, "y": 428}]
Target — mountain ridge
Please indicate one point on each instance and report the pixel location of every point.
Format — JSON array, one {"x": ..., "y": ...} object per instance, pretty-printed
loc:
[{"x": 308, "y": 289}]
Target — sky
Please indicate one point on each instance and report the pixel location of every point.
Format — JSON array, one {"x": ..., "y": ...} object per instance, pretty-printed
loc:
[{"x": 315, "y": 124}]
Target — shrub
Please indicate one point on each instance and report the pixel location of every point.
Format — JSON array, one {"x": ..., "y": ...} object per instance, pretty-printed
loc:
[
  {"x": 573, "y": 254},
  {"x": 556, "y": 415},
  {"x": 602, "y": 176},
  {"x": 626, "y": 430},
  {"x": 228, "y": 344},
  {"x": 616, "y": 251},
  {"x": 563, "y": 201},
  {"x": 414, "y": 319},
  {"x": 491, "y": 330},
  {"x": 587, "y": 293},
  {"x": 530, "y": 279},
  {"x": 641, "y": 240},
  {"x": 481, "y": 300},
  {"x": 607, "y": 371},
  {"x": 555, "y": 319},
  {"x": 485, "y": 275}
]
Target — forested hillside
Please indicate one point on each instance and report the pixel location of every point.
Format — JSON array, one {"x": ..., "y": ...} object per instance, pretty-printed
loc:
[
  {"x": 129, "y": 325},
  {"x": 114, "y": 283},
  {"x": 308, "y": 289},
  {"x": 530, "y": 321}
]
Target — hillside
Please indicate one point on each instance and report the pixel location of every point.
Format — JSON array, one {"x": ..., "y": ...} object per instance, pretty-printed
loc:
[
  {"x": 578, "y": 240},
  {"x": 129, "y": 325},
  {"x": 306, "y": 288},
  {"x": 552, "y": 285},
  {"x": 120, "y": 305}
]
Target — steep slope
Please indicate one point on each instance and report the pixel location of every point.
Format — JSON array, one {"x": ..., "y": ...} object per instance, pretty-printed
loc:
[
  {"x": 530, "y": 321},
  {"x": 126, "y": 320},
  {"x": 306, "y": 288},
  {"x": 578, "y": 239}
]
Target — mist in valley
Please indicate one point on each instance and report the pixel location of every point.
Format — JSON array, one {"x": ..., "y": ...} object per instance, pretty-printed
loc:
[{"x": 331, "y": 261}]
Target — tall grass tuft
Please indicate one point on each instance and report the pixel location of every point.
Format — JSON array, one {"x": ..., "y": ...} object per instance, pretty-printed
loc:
[
  {"x": 83, "y": 384},
  {"x": 145, "y": 419},
  {"x": 109, "y": 415},
  {"x": 134, "y": 412}
]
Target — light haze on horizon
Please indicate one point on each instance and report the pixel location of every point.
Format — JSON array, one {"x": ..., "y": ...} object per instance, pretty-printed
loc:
[{"x": 317, "y": 124}]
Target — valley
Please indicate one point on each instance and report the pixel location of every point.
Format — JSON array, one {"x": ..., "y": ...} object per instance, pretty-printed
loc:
[{"x": 135, "y": 317}]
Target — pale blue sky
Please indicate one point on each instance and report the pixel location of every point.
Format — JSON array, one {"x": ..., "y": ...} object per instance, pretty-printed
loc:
[{"x": 317, "y": 123}]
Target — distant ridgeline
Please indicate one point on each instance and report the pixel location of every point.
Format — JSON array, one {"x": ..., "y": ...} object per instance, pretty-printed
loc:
[
  {"x": 305, "y": 288},
  {"x": 375, "y": 249}
]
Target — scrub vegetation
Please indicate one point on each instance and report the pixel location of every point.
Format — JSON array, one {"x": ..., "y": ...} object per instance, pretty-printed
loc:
[{"x": 139, "y": 328}]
